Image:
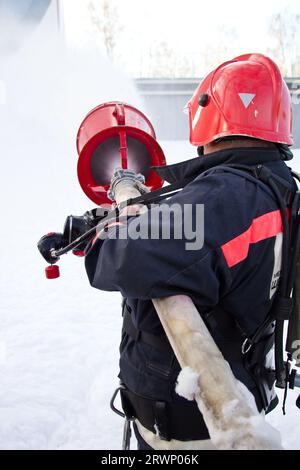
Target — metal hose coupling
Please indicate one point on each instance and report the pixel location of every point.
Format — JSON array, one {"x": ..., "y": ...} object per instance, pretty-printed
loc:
[{"x": 126, "y": 177}]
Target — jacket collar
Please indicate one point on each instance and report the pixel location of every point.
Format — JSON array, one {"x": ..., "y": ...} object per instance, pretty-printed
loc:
[{"x": 190, "y": 169}]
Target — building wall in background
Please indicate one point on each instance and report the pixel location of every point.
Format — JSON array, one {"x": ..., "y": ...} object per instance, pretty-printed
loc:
[{"x": 166, "y": 99}]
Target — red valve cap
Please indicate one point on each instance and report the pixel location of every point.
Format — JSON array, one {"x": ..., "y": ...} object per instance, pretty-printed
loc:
[{"x": 52, "y": 272}]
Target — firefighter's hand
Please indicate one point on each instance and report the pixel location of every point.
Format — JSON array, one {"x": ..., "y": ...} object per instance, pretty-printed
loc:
[{"x": 48, "y": 243}]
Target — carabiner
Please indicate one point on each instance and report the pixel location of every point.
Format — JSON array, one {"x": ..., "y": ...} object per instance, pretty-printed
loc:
[{"x": 112, "y": 402}]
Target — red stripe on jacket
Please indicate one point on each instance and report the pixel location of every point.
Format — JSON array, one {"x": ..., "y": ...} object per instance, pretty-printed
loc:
[{"x": 266, "y": 226}]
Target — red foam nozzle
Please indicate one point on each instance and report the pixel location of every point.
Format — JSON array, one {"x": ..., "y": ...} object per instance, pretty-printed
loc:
[{"x": 52, "y": 272}]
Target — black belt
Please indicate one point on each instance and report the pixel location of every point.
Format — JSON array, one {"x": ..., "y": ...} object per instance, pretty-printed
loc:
[
  {"x": 158, "y": 342},
  {"x": 180, "y": 420}
]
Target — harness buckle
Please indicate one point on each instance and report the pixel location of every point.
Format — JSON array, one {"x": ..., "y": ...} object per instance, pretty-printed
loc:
[{"x": 246, "y": 346}]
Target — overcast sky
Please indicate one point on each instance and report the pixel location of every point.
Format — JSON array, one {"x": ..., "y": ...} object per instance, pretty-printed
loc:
[{"x": 192, "y": 27}]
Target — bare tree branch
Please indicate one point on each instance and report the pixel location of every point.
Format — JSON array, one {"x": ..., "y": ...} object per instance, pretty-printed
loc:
[
  {"x": 105, "y": 17},
  {"x": 163, "y": 61},
  {"x": 284, "y": 32}
]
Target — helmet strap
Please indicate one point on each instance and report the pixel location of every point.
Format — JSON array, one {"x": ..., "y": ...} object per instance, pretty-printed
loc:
[{"x": 200, "y": 151}]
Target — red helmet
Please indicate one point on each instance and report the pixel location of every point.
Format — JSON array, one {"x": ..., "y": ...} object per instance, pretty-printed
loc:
[{"x": 246, "y": 96}]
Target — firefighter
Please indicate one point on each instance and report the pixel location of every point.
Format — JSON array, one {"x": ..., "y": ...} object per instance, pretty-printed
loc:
[{"x": 240, "y": 122}]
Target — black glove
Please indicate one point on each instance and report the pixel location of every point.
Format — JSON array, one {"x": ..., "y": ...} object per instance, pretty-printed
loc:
[{"x": 49, "y": 242}]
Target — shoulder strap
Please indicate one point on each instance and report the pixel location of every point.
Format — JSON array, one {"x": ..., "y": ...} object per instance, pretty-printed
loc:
[
  {"x": 157, "y": 195},
  {"x": 249, "y": 172}
]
